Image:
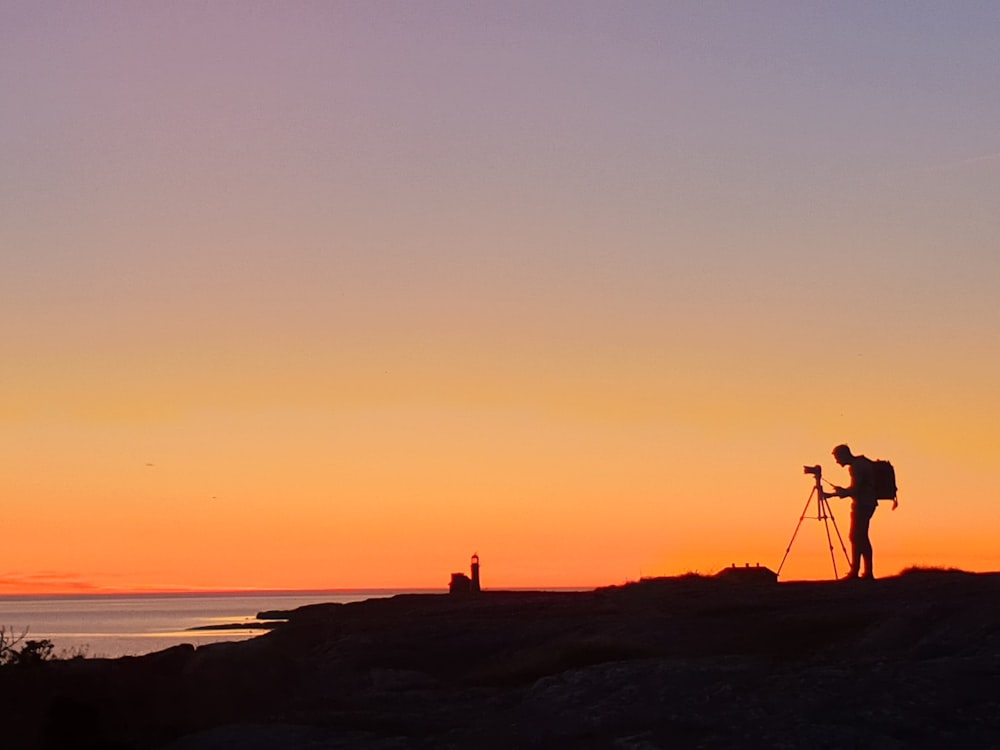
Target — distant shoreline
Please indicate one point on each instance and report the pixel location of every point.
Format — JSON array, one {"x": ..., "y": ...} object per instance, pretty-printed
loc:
[
  {"x": 379, "y": 592},
  {"x": 255, "y": 625},
  {"x": 223, "y": 592}
]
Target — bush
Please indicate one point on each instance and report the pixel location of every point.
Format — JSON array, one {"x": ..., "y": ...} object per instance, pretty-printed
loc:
[{"x": 30, "y": 653}]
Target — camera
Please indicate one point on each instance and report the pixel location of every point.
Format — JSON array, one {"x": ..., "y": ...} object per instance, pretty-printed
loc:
[{"x": 816, "y": 470}]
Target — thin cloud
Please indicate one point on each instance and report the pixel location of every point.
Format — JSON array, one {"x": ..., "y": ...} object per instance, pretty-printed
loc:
[
  {"x": 973, "y": 161},
  {"x": 48, "y": 581},
  {"x": 984, "y": 160}
]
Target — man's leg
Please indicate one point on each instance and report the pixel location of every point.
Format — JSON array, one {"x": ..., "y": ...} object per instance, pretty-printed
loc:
[
  {"x": 864, "y": 541},
  {"x": 855, "y": 544}
]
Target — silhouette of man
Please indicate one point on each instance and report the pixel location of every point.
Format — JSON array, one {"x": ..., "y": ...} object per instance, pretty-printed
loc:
[{"x": 863, "y": 505}]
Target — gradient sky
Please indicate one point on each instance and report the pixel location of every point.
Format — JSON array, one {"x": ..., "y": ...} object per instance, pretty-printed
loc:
[{"x": 335, "y": 294}]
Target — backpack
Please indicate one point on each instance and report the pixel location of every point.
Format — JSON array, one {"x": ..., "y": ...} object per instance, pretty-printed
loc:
[{"x": 884, "y": 479}]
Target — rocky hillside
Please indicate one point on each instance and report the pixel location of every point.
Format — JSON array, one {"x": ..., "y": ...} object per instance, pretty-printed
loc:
[{"x": 912, "y": 661}]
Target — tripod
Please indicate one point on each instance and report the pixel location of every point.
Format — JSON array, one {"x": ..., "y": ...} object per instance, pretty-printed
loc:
[{"x": 824, "y": 514}]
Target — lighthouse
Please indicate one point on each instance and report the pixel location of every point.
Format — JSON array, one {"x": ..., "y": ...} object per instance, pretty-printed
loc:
[
  {"x": 463, "y": 584},
  {"x": 475, "y": 573}
]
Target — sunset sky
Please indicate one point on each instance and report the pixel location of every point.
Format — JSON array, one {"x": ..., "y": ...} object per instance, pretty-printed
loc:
[{"x": 335, "y": 294}]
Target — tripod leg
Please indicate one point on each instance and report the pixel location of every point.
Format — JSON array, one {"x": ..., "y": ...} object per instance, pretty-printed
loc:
[
  {"x": 839, "y": 537},
  {"x": 829, "y": 540},
  {"x": 796, "y": 532}
]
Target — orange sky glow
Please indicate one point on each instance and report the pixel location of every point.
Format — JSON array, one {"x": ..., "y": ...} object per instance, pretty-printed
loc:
[{"x": 334, "y": 296}]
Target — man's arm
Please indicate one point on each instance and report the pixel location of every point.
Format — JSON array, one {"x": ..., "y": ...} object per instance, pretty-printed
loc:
[
  {"x": 846, "y": 491},
  {"x": 861, "y": 479}
]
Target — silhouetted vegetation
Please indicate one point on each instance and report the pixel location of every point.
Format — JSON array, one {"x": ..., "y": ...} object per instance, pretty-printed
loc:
[
  {"x": 15, "y": 650},
  {"x": 926, "y": 570}
]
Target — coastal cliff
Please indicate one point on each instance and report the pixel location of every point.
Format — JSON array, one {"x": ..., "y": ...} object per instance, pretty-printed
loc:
[{"x": 910, "y": 661}]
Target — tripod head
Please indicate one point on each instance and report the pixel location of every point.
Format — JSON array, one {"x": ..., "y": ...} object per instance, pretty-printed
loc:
[{"x": 817, "y": 472}]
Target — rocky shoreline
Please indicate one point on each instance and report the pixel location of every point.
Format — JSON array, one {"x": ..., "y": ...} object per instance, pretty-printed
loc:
[{"x": 910, "y": 661}]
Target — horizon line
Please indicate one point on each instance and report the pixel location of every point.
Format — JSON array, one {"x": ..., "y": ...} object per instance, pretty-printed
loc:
[{"x": 166, "y": 592}]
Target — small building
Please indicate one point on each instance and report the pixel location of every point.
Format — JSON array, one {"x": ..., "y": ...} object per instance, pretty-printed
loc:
[
  {"x": 748, "y": 574},
  {"x": 460, "y": 584}
]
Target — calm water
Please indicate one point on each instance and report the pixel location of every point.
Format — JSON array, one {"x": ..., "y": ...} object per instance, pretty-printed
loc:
[{"x": 120, "y": 625}]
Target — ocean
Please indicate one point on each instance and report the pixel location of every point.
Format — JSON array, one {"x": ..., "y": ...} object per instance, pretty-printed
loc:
[{"x": 113, "y": 625}]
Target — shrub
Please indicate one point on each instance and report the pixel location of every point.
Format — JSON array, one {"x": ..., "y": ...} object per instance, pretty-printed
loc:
[{"x": 14, "y": 649}]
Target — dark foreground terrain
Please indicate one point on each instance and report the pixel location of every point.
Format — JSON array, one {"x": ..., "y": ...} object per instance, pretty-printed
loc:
[{"x": 912, "y": 661}]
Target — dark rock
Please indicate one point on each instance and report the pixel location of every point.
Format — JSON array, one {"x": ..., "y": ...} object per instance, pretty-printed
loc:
[{"x": 911, "y": 661}]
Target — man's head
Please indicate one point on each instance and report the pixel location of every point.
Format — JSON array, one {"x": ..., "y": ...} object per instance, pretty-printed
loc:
[{"x": 842, "y": 454}]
